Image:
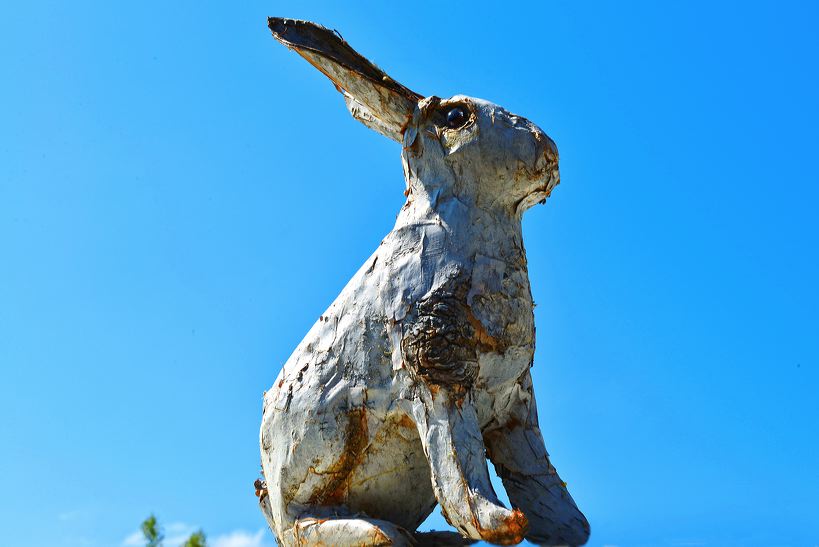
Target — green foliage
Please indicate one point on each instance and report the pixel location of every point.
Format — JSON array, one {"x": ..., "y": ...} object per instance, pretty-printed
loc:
[
  {"x": 153, "y": 535},
  {"x": 152, "y": 532},
  {"x": 197, "y": 539}
]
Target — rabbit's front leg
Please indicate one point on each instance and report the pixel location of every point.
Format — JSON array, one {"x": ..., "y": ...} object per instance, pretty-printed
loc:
[
  {"x": 439, "y": 345},
  {"x": 449, "y": 431},
  {"x": 517, "y": 450}
]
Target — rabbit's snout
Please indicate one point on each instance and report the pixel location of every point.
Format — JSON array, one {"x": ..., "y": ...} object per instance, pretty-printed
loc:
[
  {"x": 545, "y": 145},
  {"x": 543, "y": 163},
  {"x": 549, "y": 146},
  {"x": 546, "y": 154},
  {"x": 537, "y": 178}
]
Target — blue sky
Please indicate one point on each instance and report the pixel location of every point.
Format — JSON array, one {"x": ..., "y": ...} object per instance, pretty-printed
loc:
[{"x": 181, "y": 198}]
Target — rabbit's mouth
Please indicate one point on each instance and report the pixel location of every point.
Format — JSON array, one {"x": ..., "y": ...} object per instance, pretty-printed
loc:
[
  {"x": 543, "y": 174},
  {"x": 540, "y": 193},
  {"x": 545, "y": 169}
]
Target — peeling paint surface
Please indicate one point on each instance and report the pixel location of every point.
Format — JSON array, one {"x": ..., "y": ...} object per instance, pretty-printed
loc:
[{"x": 419, "y": 370}]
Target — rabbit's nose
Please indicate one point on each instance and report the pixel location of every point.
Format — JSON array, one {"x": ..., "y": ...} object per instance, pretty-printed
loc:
[{"x": 548, "y": 145}]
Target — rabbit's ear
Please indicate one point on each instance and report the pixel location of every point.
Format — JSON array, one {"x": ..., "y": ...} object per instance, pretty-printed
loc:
[{"x": 375, "y": 99}]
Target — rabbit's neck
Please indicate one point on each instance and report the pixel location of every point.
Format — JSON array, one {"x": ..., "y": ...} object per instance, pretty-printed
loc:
[{"x": 472, "y": 230}]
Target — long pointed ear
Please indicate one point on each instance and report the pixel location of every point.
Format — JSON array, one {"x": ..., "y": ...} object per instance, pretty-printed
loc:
[{"x": 373, "y": 98}]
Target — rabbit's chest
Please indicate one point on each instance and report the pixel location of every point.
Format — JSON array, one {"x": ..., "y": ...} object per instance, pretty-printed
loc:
[
  {"x": 501, "y": 300},
  {"x": 485, "y": 310}
]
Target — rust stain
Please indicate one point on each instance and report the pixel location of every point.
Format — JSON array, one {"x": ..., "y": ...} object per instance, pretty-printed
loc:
[
  {"x": 356, "y": 436},
  {"x": 510, "y": 532},
  {"x": 522, "y": 172},
  {"x": 261, "y": 489},
  {"x": 446, "y": 516},
  {"x": 512, "y": 423},
  {"x": 378, "y": 537},
  {"x": 405, "y": 421},
  {"x": 482, "y": 336}
]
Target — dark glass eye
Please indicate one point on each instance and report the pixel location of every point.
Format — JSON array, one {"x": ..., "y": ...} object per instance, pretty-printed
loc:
[{"x": 456, "y": 117}]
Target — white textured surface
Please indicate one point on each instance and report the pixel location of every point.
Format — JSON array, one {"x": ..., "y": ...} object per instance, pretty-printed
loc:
[{"x": 420, "y": 368}]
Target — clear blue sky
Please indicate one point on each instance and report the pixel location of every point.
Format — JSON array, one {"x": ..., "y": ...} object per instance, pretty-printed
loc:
[{"x": 181, "y": 198}]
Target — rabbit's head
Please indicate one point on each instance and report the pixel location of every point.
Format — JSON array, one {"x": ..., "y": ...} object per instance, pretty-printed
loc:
[
  {"x": 463, "y": 147},
  {"x": 480, "y": 153}
]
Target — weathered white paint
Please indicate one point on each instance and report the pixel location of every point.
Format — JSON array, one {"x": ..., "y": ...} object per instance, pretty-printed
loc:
[{"x": 420, "y": 368}]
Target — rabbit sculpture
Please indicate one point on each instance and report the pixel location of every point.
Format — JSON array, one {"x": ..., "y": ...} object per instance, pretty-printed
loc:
[{"x": 419, "y": 370}]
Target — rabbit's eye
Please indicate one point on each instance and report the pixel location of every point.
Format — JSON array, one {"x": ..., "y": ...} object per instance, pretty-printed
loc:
[{"x": 456, "y": 117}]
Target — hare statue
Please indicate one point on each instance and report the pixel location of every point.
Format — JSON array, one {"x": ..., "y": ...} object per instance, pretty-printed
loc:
[{"x": 419, "y": 371}]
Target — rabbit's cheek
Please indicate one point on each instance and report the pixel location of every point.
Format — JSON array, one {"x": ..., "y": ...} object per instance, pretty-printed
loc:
[{"x": 454, "y": 140}]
